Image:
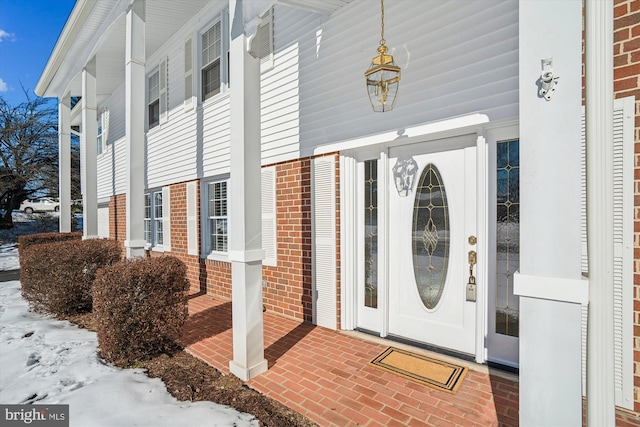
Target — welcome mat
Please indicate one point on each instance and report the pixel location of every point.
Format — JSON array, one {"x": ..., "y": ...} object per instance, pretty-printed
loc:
[{"x": 434, "y": 373}]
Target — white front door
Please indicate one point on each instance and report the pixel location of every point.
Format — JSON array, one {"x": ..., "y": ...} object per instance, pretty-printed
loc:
[{"x": 432, "y": 216}]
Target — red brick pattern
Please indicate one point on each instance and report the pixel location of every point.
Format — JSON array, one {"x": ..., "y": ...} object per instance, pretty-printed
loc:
[
  {"x": 288, "y": 290},
  {"x": 324, "y": 375},
  {"x": 118, "y": 217}
]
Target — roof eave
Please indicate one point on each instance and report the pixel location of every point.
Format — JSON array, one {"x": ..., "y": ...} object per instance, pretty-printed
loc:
[{"x": 72, "y": 28}]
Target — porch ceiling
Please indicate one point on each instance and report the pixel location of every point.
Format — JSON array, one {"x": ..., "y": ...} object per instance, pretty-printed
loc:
[
  {"x": 97, "y": 28},
  {"x": 100, "y": 30}
]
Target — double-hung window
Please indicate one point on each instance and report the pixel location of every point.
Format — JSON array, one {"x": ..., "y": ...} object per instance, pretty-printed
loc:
[
  {"x": 153, "y": 97},
  {"x": 217, "y": 221},
  {"x": 156, "y": 218},
  {"x": 214, "y": 47},
  {"x": 147, "y": 218},
  {"x": 99, "y": 141},
  {"x": 158, "y": 236}
]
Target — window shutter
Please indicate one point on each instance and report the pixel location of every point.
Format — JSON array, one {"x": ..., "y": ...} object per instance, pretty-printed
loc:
[
  {"x": 164, "y": 91},
  {"x": 166, "y": 217},
  {"x": 264, "y": 35},
  {"x": 269, "y": 227},
  {"x": 188, "y": 73},
  {"x": 324, "y": 242},
  {"x": 623, "y": 123},
  {"x": 192, "y": 219}
]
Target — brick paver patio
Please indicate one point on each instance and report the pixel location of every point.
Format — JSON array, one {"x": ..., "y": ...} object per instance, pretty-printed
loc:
[{"x": 324, "y": 375}]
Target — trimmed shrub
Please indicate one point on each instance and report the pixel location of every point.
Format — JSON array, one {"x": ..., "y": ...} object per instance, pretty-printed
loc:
[
  {"x": 140, "y": 306},
  {"x": 35, "y": 239},
  {"x": 57, "y": 277}
]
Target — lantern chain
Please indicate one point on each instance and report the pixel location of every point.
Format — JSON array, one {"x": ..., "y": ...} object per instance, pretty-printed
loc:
[{"x": 382, "y": 40}]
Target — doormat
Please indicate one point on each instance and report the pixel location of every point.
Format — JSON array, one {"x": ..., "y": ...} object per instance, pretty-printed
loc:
[{"x": 426, "y": 370}]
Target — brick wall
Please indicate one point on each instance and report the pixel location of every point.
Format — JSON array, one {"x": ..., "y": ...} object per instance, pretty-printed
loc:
[
  {"x": 626, "y": 62},
  {"x": 288, "y": 290},
  {"x": 118, "y": 219}
]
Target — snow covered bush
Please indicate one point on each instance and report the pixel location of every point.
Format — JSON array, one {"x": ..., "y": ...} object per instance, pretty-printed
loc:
[
  {"x": 57, "y": 277},
  {"x": 139, "y": 308}
]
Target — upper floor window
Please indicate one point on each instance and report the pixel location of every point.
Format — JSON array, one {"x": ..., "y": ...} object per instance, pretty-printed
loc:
[
  {"x": 214, "y": 56},
  {"x": 158, "y": 94},
  {"x": 153, "y": 97},
  {"x": 100, "y": 141}
]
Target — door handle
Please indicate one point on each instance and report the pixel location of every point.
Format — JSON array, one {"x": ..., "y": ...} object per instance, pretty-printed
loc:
[
  {"x": 471, "y": 285},
  {"x": 473, "y": 258}
]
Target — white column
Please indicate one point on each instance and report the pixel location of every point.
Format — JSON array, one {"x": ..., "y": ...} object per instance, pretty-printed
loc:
[
  {"x": 64, "y": 162},
  {"x": 599, "y": 140},
  {"x": 245, "y": 239},
  {"x": 549, "y": 283},
  {"x": 134, "y": 128},
  {"x": 90, "y": 151}
]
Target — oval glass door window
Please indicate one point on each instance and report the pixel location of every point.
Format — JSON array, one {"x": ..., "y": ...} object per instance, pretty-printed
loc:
[{"x": 430, "y": 243}]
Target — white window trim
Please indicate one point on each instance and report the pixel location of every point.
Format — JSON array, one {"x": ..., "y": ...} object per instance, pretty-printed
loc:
[
  {"x": 165, "y": 192},
  {"x": 149, "y": 101},
  {"x": 206, "y": 246},
  {"x": 100, "y": 135},
  {"x": 163, "y": 94},
  {"x": 223, "y": 19}
]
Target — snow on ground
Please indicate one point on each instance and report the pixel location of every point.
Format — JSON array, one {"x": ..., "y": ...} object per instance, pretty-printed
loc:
[
  {"x": 47, "y": 361},
  {"x": 23, "y": 224}
]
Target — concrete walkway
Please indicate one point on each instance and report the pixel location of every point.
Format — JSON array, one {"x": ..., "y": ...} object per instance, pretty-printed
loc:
[{"x": 324, "y": 375}]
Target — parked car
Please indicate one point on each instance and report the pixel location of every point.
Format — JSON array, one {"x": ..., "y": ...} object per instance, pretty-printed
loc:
[{"x": 41, "y": 204}]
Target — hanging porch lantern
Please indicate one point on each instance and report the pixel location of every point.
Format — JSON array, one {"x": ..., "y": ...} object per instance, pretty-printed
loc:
[{"x": 383, "y": 76}]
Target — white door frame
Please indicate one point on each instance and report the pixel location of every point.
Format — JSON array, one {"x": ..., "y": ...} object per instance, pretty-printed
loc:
[{"x": 376, "y": 147}]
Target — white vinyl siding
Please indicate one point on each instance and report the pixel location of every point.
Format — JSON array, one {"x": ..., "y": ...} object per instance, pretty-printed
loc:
[
  {"x": 466, "y": 53},
  {"x": 269, "y": 225},
  {"x": 324, "y": 242},
  {"x": 111, "y": 171},
  {"x": 623, "y": 123}
]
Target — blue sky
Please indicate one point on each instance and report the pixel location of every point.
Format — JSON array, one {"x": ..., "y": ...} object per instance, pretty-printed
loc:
[{"x": 29, "y": 30}]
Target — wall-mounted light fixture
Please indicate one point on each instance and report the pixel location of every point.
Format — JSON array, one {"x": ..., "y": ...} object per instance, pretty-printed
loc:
[
  {"x": 383, "y": 76},
  {"x": 547, "y": 79}
]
